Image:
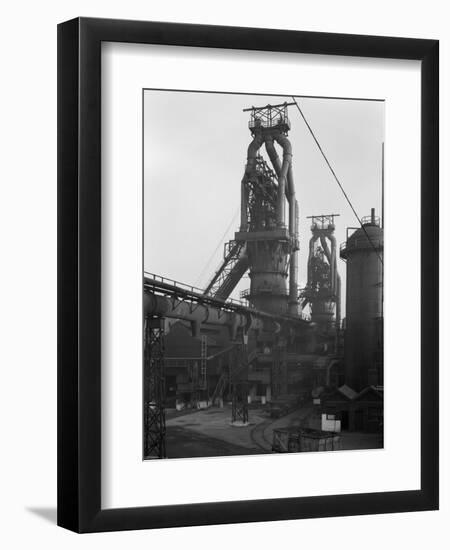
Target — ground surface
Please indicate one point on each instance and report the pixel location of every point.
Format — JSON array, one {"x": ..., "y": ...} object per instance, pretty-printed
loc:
[{"x": 210, "y": 433}]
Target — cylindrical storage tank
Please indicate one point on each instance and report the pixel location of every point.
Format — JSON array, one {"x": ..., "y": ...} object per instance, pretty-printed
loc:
[{"x": 363, "y": 344}]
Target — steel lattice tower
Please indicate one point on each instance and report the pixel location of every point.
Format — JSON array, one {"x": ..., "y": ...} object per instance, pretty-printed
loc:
[{"x": 154, "y": 391}]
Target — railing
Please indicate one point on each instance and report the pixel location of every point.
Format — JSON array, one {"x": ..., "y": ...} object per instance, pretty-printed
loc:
[
  {"x": 362, "y": 243},
  {"x": 269, "y": 122},
  {"x": 151, "y": 279},
  {"x": 244, "y": 294},
  {"x": 368, "y": 219},
  {"x": 172, "y": 282},
  {"x": 171, "y": 287}
]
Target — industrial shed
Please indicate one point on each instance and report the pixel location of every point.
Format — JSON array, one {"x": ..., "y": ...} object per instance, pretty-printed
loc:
[{"x": 360, "y": 412}]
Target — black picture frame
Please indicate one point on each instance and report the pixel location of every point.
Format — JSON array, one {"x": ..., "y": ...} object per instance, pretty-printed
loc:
[{"x": 79, "y": 274}]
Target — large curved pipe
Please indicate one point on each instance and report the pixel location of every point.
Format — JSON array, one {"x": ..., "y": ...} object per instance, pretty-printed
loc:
[
  {"x": 163, "y": 306},
  {"x": 198, "y": 314},
  {"x": 286, "y": 186},
  {"x": 336, "y": 281},
  {"x": 290, "y": 193},
  {"x": 334, "y": 273},
  {"x": 338, "y": 302},
  {"x": 282, "y": 176},
  {"x": 331, "y": 257},
  {"x": 293, "y": 265},
  {"x": 289, "y": 188},
  {"x": 273, "y": 155},
  {"x": 252, "y": 151},
  {"x": 325, "y": 248},
  {"x": 312, "y": 240},
  {"x": 244, "y": 202}
]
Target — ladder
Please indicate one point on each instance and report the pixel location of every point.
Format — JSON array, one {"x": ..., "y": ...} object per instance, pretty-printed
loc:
[{"x": 203, "y": 359}]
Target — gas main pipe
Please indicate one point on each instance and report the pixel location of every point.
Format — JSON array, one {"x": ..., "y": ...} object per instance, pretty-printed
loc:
[
  {"x": 202, "y": 314},
  {"x": 198, "y": 314}
]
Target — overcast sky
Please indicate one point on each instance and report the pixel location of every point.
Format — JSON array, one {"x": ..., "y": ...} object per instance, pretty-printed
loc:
[{"x": 195, "y": 148}]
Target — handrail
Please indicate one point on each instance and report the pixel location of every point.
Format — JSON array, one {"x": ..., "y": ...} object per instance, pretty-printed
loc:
[
  {"x": 369, "y": 220},
  {"x": 189, "y": 288},
  {"x": 163, "y": 284},
  {"x": 364, "y": 242},
  {"x": 271, "y": 122}
]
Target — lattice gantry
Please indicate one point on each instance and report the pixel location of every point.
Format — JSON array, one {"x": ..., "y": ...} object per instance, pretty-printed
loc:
[{"x": 154, "y": 391}]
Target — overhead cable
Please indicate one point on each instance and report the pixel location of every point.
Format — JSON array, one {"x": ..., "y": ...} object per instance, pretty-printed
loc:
[{"x": 336, "y": 179}]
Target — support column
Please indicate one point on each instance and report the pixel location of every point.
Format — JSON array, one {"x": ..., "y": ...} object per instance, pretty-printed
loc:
[
  {"x": 154, "y": 391},
  {"x": 279, "y": 374},
  {"x": 239, "y": 385},
  {"x": 239, "y": 404}
]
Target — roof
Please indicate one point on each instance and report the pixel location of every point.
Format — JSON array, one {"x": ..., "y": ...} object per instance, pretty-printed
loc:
[
  {"x": 377, "y": 391},
  {"x": 344, "y": 391},
  {"x": 351, "y": 395},
  {"x": 347, "y": 391}
]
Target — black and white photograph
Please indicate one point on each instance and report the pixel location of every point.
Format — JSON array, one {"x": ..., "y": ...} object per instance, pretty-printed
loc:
[
  {"x": 225, "y": 266},
  {"x": 263, "y": 274}
]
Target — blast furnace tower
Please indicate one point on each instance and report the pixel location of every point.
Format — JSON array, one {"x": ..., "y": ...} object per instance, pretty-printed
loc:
[
  {"x": 269, "y": 240},
  {"x": 363, "y": 355},
  {"x": 323, "y": 289}
]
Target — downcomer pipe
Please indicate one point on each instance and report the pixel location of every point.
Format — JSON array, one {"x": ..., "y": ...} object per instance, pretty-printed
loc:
[
  {"x": 282, "y": 176},
  {"x": 336, "y": 280},
  {"x": 286, "y": 186},
  {"x": 338, "y": 302},
  {"x": 290, "y": 192},
  {"x": 252, "y": 150},
  {"x": 289, "y": 188},
  {"x": 312, "y": 240},
  {"x": 293, "y": 264},
  {"x": 276, "y": 163},
  {"x": 334, "y": 275},
  {"x": 272, "y": 152},
  {"x": 329, "y": 257},
  {"x": 334, "y": 263}
]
